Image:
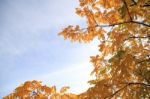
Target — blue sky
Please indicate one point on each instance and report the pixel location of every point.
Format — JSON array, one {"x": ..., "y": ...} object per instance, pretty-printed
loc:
[{"x": 30, "y": 48}]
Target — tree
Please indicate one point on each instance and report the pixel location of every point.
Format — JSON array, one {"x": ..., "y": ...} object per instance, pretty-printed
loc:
[
  {"x": 122, "y": 66},
  {"x": 34, "y": 90}
]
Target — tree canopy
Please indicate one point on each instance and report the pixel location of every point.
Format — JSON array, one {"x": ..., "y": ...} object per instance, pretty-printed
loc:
[
  {"x": 35, "y": 90},
  {"x": 122, "y": 66}
]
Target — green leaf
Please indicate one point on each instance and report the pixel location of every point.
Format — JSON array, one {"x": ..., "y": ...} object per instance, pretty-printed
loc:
[
  {"x": 102, "y": 70},
  {"x": 122, "y": 11},
  {"x": 91, "y": 82},
  {"x": 120, "y": 53}
]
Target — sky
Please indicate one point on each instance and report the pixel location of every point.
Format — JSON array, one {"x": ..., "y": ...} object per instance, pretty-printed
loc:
[{"x": 30, "y": 48}]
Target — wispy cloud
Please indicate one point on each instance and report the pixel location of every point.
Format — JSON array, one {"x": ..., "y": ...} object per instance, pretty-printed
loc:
[
  {"x": 30, "y": 47},
  {"x": 75, "y": 76}
]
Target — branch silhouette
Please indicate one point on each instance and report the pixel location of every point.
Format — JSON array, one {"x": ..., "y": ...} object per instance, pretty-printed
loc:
[{"x": 125, "y": 86}]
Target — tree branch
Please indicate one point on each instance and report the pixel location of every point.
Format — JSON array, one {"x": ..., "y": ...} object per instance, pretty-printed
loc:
[
  {"x": 125, "y": 86},
  {"x": 144, "y": 61},
  {"x": 146, "y": 5},
  {"x": 111, "y": 96},
  {"x": 109, "y": 25},
  {"x": 127, "y": 9},
  {"x": 140, "y": 73},
  {"x": 119, "y": 23},
  {"x": 134, "y": 3},
  {"x": 133, "y": 37},
  {"x": 141, "y": 23},
  {"x": 137, "y": 83}
]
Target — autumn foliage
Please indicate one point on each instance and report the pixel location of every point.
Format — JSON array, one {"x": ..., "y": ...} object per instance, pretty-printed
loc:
[
  {"x": 122, "y": 66},
  {"x": 35, "y": 90}
]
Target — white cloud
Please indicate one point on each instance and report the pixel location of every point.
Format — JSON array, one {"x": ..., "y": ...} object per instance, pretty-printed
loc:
[
  {"x": 29, "y": 45},
  {"x": 25, "y": 21},
  {"x": 75, "y": 76}
]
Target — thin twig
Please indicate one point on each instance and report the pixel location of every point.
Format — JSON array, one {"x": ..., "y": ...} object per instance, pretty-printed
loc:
[
  {"x": 133, "y": 37},
  {"x": 109, "y": 25},
  {"x": 144, "y": 61},
  {"x": 134, "y": 3},
  {"x": 146, "y": 5},
  {"x": 125, "y": 86},
  {"x": 111, "y": 96},
  {"x": 137, "y": 83},
  {"x": 127, "y": 9},
  {"x": 141, "y": 23}
]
